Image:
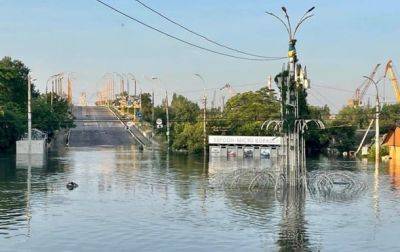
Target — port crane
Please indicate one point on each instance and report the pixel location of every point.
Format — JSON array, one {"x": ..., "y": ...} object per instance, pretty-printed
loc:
[
  {"x": 356, "y": 101},
  {"x": 393, "y": 79}
]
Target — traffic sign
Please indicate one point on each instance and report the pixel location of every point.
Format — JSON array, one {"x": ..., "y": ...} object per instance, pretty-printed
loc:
[
  {"x": 130, "y": 124},
  {"x": 159, "y": 121}
]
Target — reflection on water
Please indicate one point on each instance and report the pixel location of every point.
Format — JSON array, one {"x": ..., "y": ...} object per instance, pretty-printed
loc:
[{"x": 147, "y": 200}]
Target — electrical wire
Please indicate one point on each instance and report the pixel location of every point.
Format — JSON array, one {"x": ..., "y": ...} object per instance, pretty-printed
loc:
[
  {"x": 203, "y": 36},
  {"x": 182, "y": 40}
]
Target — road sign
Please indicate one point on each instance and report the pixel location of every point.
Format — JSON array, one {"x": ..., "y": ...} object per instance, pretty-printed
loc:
[
  {"x": 130, "y": 124},
  {"x": 139, "y": 114},
  {"x": 159, "y": 126},
  {"x": 159, "y": 121}
]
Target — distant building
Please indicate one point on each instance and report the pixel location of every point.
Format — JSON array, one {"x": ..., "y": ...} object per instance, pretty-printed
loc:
[{"x": 392, "y": 140}]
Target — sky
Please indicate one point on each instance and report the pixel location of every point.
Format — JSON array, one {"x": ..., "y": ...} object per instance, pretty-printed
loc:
[{"x": 341, "y": 43}]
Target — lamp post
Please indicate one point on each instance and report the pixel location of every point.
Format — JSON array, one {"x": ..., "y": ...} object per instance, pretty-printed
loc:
[
  {"x": 377, "y": 112},
  {"x": 166, "y": 109},
  {"x": 134, "y": 92},
  {"x": 204, "y": 114},
  {"x": 30, "y": 114},
  {"x": 292, "y": 89}
]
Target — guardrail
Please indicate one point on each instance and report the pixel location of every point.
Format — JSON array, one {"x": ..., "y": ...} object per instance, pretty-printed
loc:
[{"x": 129, "y": 130}]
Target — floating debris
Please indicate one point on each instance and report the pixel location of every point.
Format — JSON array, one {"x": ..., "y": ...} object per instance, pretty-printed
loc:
[{"x": 71, "y": 185}]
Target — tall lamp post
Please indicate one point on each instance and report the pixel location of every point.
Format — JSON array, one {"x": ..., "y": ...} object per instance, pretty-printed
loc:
[
  {"x": 204, "y": 114},
  {"x": 377, "y": 112},
  {"x": 293, "y": 88},
  {"x": 166, "y": 109},
  {"x": 30, "y": 114}
]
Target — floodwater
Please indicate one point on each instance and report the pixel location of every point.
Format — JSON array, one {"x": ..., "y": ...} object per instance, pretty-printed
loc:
[{"x": 131, "y": 200}]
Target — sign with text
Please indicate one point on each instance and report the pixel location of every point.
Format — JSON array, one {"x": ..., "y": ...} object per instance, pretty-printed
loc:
[{"x": 245, "y": 140}]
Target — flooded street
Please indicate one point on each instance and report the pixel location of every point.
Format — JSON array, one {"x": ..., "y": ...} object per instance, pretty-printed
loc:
[{"x": 148, "y": 201}]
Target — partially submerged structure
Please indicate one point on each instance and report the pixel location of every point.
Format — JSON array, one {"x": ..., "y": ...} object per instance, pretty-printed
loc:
[{"x": 392, "y": 141}]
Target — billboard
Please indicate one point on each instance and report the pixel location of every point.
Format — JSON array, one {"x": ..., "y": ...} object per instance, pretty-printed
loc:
[{"x": 245, "y": 140}]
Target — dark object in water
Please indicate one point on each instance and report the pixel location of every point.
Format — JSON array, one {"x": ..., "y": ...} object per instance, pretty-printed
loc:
[{"x": 71, "y": 185}]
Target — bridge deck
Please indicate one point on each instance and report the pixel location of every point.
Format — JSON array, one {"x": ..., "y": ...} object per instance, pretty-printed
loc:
[{"x": 97, "y": 126}]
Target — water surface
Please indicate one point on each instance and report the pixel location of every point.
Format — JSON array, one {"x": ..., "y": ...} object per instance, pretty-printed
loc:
[{"x": 135, "y": 200}]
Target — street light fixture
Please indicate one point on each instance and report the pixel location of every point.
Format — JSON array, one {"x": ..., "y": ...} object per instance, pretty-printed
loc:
[
  {"x": 166, "y": 109},
  {"x": 204, "y": 114},
  {"x": 377, "y": 112},
  {"x": 288, "y": 25}
]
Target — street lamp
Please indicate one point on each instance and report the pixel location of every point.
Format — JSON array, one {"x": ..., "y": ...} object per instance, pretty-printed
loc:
[
  {"x": 30, "y": 80},
  {"x": 377, "y": 111},
  {"x": 291, "y": 88},
  {"x": 204, "y": 114},
  {"x": 166, "y": 108}
]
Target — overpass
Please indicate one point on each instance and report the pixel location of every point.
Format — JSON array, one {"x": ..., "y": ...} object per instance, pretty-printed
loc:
[{"x": 98, "y": 126}]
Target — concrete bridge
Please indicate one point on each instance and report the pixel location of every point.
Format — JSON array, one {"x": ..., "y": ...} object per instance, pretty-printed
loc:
[{"x": 98, "y": 126}]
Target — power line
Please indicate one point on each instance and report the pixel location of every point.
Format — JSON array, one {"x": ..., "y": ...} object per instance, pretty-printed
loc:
[
  {"x": 181, "y": 40},
  {"x": 203, "y": 36}
]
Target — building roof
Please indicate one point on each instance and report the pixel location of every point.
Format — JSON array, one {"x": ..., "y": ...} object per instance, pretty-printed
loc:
[{"x": 392, "y": 138}]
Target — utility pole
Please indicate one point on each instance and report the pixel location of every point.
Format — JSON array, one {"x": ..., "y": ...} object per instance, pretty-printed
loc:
[
  {"x": 205, "y": 123},
  {"x": 377, "y": 141},
  {"x": 152, "y": 111},
  {"x": 29, "y": 116},
  {"x": 167, "y": 114},
  {"x": 51, "y": 94}
]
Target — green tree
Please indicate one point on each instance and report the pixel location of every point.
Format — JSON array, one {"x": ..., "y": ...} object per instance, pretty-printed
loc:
[
  {"x": 389, "y": 117},
  {"x": 245, "y": 112},
  {"x": 13, "y": 105},
  {"x": 183, "y": 110},
  {"x": 147, "y": 107},
  {"x": 188, "y": 137}
]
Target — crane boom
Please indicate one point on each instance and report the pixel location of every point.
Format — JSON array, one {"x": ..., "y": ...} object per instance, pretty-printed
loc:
[
  {"x": 362, "y": 89},
  {"x": 368, "y": 83},
  {"x": 393, "y": 79}
]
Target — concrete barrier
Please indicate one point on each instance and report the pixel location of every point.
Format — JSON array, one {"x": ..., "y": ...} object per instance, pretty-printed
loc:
[{"x": 37, "y": 146}]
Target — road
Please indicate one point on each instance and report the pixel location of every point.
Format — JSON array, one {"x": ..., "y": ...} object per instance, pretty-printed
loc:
[{"x": 97, "y": 126}]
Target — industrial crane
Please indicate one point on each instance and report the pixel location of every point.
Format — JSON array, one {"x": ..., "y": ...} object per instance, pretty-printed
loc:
[
  {"x": 356, "y": 101},
  {"x": 393, "y": 79}
]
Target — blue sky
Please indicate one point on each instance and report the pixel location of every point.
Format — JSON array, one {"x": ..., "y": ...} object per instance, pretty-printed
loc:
[{"x": 339, "y": 45}]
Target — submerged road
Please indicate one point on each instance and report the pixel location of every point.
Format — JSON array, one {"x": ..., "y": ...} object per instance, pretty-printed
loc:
[{"x": 97, "y": 126}]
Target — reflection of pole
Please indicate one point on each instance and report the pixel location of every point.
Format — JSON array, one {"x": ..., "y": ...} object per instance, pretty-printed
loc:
[{"x": 28, "y": 194}]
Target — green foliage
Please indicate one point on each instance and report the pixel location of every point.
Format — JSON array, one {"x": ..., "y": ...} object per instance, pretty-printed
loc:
[
  {"x": 147, "y": 106},
  {"x": 384, "y": 151},
  {"x": 183, "y": 110},
  {"x": 49, "y": 119},
  {"x": 389, "y": 117},
  {"x": 12, "y": 125},
  {"x": 246, "y": 112},
  {"x": 13, "y": 104},
  {"x": 188, "y": 137},
  {"x": 359, "y": 117}
]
